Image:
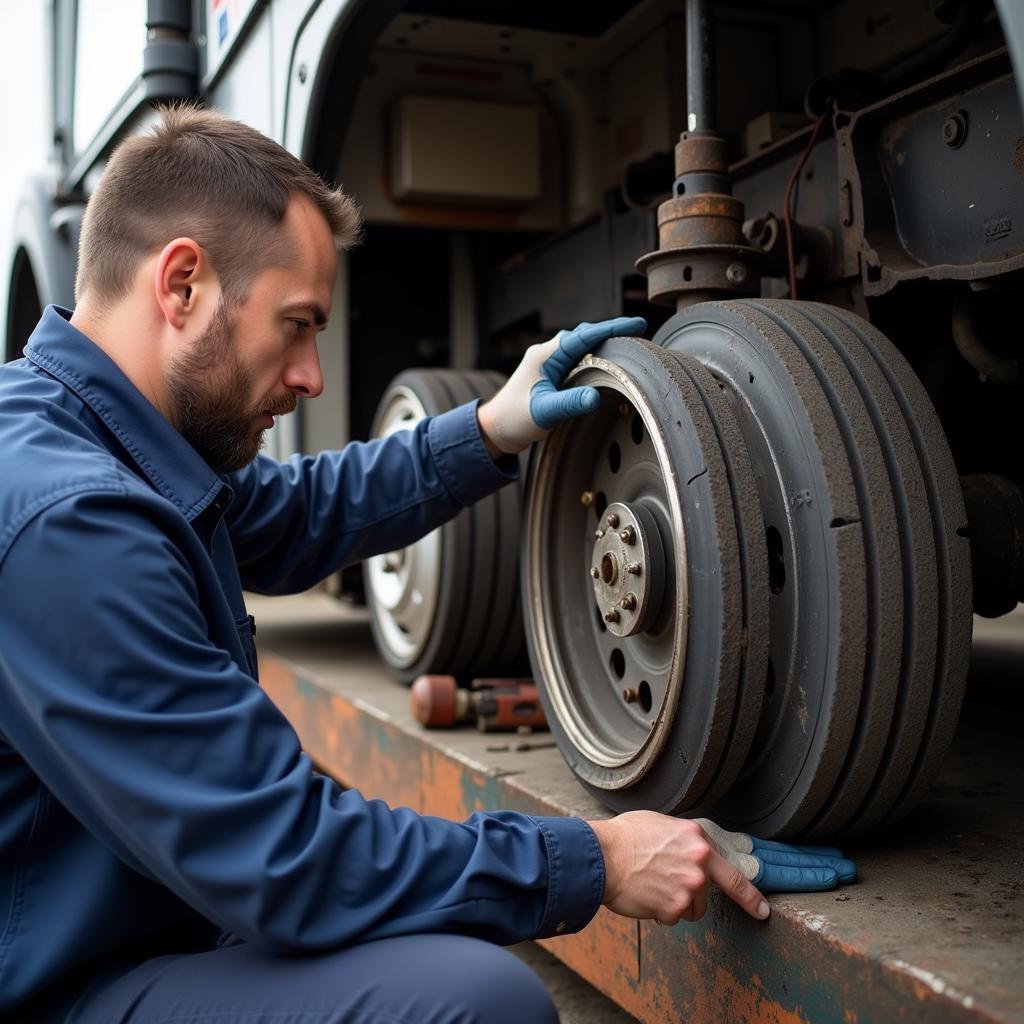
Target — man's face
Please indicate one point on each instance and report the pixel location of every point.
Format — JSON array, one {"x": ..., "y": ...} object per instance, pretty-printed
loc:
[{"x": 254, "y": 362}]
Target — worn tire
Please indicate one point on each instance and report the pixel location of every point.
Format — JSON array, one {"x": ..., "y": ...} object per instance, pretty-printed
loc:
[
  {"x": 856, "y": 477},
  {"x": 465, "y": 574}
]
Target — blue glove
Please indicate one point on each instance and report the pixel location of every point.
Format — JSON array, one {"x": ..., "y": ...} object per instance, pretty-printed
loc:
[
  {"x": 781, "y": 867},
  {"x": 530, "y": 404},
  {"x": 548, "y": 405}
]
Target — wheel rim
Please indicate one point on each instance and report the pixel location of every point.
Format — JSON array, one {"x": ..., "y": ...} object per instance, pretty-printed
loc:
[
  {"x": 615, "y": 691},
  {"x": 404, "y": 585},
  {"x": 659, "y": 745}
]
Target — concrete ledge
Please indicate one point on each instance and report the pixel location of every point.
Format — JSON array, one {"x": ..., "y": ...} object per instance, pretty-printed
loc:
[{"x": 933, "y": 932}]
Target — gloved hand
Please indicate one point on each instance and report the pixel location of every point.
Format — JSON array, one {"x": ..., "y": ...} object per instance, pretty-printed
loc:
[
  {"x": 530, "y": 404},
  {"x": 780, "y": 867}
]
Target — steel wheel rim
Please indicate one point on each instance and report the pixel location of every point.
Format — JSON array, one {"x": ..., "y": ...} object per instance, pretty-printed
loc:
[
  {"x": 404, "y": 585},
  {"x": 621, "y": 739}
]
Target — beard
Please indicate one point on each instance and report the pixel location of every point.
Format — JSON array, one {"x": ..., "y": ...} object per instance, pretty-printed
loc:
[{"x": 209, "y": 389}]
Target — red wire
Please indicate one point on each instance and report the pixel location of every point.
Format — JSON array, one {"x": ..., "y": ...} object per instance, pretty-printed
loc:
[{"x": 787, "y": 215}]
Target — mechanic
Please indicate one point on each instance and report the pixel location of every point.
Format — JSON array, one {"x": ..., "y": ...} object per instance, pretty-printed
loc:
[{"x": 167, "y": 851}]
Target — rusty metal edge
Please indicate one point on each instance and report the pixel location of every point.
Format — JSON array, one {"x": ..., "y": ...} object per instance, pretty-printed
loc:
[{"x": 726, "y": 967}]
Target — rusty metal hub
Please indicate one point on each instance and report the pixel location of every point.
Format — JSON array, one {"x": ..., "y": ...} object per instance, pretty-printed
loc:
[{"x": 703, "y": 252}]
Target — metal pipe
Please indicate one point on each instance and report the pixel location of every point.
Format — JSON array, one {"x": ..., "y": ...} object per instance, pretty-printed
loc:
[
  {"x": 967, "y": 338},
  {"x": 700, "y": 66}
]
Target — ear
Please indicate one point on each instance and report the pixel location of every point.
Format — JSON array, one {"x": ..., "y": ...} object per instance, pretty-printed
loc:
[{"x": 186, "y": 286}]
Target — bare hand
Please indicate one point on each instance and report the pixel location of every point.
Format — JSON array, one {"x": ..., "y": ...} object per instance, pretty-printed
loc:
[{"x": 659, "y": 867}]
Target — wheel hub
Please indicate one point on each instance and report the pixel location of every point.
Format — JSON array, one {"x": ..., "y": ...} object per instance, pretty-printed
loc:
[{"x": 627, "y": 569}]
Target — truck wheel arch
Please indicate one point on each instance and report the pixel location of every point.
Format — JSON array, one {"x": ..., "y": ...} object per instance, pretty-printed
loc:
[
  {"x": 43, "y": 257},
  {"x": 335, "y": 41}
]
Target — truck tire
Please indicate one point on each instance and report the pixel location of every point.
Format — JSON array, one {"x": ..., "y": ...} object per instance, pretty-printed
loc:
[
  {"x": 450, "y": 602},
  {"x": 822, "y": 536}
]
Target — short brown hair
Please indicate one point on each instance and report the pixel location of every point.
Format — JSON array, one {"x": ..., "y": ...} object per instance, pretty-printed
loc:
[{"x": 200, "y": 175}]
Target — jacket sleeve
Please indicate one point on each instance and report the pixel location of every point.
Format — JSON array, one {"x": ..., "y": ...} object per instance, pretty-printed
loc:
[
  {"x": 296, "y": 522},
  {"x": 171, "y": 756}
]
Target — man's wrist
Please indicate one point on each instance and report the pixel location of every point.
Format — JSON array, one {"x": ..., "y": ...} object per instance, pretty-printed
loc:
[{"x": 483, "y": 421}]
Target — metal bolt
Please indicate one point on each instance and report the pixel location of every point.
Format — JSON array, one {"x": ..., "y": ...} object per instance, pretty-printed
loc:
[
  {"x": 629, "y": 695},
  {"x": 612, "y": 520},
  {"x": 628, "y": 535},
  {"x": 587, "y": 498},
  {"x": 954, "y": 129},
  {"x": 303, "y": 73},
  {"x": 598, "y": 534},
  {"x": 611, "y": 615},
  {"x": 736, "y": 273},
  {"x": 628, "y": 602},
  {"x": 390, "y": 565},
  {"x": 595, "y": 572},
  {"x": 633, "y": 568}
]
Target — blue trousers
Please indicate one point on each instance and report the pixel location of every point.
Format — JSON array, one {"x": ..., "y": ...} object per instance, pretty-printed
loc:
[{"x": 415, "y": 979}]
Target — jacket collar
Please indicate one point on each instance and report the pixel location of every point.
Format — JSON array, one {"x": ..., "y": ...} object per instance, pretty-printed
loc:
[{"x": 164, "y": 457}]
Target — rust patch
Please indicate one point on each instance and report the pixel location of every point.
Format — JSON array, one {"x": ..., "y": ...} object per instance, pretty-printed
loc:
[
  {"x": 345, "y": 742},
  {"x": 443, "y": 787},
  {"x": 606, "y": 952},
  {"x": 1018, "y": 155},
  {"x": 695, "y": 986}
]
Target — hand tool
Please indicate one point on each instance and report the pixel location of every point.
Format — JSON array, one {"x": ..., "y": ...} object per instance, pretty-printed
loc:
[{"x": 494, "y": 704}]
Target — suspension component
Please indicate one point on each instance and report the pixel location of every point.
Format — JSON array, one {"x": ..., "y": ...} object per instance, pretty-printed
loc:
[{"x": 703, "y": 252}]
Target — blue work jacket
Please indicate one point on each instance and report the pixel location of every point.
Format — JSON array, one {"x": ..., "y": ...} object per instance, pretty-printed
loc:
[{"x": 152, "y": 798}]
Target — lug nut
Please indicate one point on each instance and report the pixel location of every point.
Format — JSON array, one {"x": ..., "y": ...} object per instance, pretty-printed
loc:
[
  {"x": 587, "y": 498},
  {"x": 629, "y": 695},
  {"x": 628, "y": 535},
  {"x": 595, "y": 572},
  {"x": 633, "y": 568},
  {"x": 598, "y": 534},
  {"x": 611, "y": 615},
  {"x": 628, "y": 602},
  {"x": 612, "y": 520}
]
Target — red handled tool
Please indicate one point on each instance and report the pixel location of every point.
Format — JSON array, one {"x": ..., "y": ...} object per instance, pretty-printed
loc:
[{"x": 494, "y": 704}]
